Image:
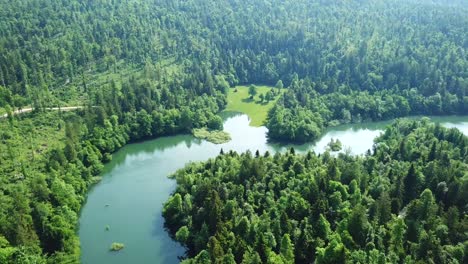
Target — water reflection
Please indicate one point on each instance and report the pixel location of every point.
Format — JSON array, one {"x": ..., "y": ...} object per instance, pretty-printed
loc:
[{"x": 135, "y": 185}]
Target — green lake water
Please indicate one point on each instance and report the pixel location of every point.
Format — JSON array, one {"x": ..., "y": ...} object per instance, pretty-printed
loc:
[{"x": 134, "y": 186}]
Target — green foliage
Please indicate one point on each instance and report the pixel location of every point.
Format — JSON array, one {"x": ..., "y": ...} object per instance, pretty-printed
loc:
[
  {"x": 287, "y": 250},
  {"x": 252, "y": 91},
  {"x": 279, "y": 84},
  {"x": 303, "y": 107},
  {"x": 299, "y": 125},
  {"x": 146, "y": 72},
  {"x": 6, "y": 251},
  {"x": 333, "y": 253},
  {"x": 255, "y": 109},
  {"x": 358, "y": 225},
  {"x": 335, "y": 145},
  {"x": 285, "y": 219},
  {"x": 117, "y": 246},
  {"x": 213, "y": 136},
  {"x": 49, "y": 160},
  {"x": 323, "y": 230},
  {"x": 215, "y": 123},
  {"x": 182, "y": 234}
]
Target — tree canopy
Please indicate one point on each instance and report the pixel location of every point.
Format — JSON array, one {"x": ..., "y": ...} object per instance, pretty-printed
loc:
[
  {"x": 141, "y": 69},
  {"x": 288, "y": 208}
]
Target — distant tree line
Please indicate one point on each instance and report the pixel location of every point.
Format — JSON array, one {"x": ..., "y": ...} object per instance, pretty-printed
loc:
[
  {"x": 50, "y": 48},
  {"x": 304, "y": 111}
]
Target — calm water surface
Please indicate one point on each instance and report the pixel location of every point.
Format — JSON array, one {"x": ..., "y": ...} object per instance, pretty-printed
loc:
[{"x": 134, "y": 187}]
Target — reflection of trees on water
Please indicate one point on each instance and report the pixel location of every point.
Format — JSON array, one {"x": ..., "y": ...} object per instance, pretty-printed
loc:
[
  {"x": 159, "y": 144},
  {"x": 148, "y": 147},
  {"x": 164, "y": 143},
  {"x": 172, "y": 246},
  {"x": 237, "y": 121},
  {"x": 381, "y": 125},
  {"x": 229, "y": 114}
]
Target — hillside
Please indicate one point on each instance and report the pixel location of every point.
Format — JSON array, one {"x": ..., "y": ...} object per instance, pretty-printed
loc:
[{"x": 142, "y": 69}]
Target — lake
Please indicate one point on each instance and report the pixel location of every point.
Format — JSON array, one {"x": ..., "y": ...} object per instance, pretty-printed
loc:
[{"x": 134, "y": 186}]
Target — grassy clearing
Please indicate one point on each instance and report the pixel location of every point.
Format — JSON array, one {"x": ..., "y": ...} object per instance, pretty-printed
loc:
[
  {"x": 239, "y": 101},
  {"x": 213, "y": 136}
]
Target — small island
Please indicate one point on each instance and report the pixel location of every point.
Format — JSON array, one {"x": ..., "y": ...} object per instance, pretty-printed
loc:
[
  {"x": 213, "y": 136},
  {"x": 116, "y": 246},
  {"x": 335, "y": 145}
]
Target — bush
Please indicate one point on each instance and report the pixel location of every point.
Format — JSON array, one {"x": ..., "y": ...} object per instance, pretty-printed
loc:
[
  {"x": 117, "y": 246},
  {"x": 214, "y": 136}
]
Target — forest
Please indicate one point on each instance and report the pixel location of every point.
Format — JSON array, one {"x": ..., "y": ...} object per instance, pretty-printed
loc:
[
  {"x": 141, "y": 69},
  {"x": 403, "y": 202}
]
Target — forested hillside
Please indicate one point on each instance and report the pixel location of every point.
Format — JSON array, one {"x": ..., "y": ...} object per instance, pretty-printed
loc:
[
  {"x": 403, "y": 202},
  {"x": 338, "y": 45},
  {"x": 405, "y": 57},
  {"x": 147, "y": 68}
]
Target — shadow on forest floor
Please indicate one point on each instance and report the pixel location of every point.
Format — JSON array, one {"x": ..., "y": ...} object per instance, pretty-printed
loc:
[{"x": 251, "y": 100}]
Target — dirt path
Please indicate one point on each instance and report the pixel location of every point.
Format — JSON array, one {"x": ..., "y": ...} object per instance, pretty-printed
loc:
[{"x": 27, "y": 110}]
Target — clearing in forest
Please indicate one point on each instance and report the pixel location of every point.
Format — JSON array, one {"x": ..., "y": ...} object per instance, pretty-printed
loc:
[{"x": 239, "y": 100}]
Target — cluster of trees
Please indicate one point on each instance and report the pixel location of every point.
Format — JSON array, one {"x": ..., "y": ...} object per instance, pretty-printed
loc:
[
  {"x": 156, "y": 107},
  {"x": 49, "y": 160},
  {"x": 49, "y": 47},
  {"x": 150, "y": 68},
  {"x": 43, "y": 187},
  {"x": 404, "y": 201},
  {"x": 305, "y": 110}
]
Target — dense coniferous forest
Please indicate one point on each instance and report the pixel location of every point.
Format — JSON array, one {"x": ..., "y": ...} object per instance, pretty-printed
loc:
[
  {"x": 403, "y": 202},
  {"x": 140, "y": 69}
]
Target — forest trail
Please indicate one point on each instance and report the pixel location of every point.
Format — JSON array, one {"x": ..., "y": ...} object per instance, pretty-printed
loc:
[{"x": 27, "y": 110}]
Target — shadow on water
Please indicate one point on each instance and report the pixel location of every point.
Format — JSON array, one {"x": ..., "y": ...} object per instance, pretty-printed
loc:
[
  {"x": 159, "y": 231},
  {"x": 148, "y": 147}
]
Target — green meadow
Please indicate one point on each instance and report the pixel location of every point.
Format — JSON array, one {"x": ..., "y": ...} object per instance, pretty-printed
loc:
[{"x": 239, "y": 101}]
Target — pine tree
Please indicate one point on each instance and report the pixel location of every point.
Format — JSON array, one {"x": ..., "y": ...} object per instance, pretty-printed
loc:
[
  {"x": 287, "y": 249},
  {"x": 411, "y": 185}
]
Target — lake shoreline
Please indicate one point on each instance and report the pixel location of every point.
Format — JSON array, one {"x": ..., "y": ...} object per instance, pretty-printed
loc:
[{"x": 135, "y": 184}]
